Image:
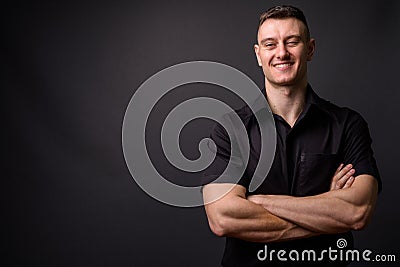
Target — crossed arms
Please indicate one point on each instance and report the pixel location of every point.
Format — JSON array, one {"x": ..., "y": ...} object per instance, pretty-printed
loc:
[{"x": 266, "y": 218}]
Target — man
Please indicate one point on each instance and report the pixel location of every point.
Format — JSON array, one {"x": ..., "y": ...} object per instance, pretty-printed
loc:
[{"x": 323, "y": 182}]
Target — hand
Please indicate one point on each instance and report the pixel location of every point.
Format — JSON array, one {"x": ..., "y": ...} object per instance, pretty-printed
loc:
[
  {"x": 257, "y": 199},
  {"x": 263, "y": 199},
  {"x": 343, "y": 177}
]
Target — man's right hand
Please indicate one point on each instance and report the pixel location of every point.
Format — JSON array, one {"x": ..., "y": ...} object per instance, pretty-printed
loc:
[{"x": 343, "y": 177}]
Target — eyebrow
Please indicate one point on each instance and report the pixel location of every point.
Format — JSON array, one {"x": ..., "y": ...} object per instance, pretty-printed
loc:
[{"x": 286, "y": 38}]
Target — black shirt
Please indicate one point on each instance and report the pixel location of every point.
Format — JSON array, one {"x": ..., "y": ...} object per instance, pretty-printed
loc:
[{"x": 306, "y": 158}]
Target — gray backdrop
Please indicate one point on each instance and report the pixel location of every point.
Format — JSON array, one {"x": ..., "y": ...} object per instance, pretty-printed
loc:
[{"x": 68, "y": 73}]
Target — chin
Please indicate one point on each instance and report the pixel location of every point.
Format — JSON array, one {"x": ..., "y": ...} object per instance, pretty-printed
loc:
[{"x": 284, "y": 83}]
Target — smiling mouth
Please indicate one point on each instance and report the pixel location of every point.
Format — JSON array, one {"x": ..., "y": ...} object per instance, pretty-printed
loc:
[{"x": 284, "y": 65}]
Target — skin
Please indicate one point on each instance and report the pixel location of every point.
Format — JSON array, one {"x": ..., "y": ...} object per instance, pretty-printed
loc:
[
  {"x": 332, "y": 212},
  {"x": 235, "y": 216},
  {"x": 283, "y": 51}
]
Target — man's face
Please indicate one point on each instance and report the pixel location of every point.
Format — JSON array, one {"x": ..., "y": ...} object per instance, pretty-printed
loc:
[{"x": 283, "y": 51}]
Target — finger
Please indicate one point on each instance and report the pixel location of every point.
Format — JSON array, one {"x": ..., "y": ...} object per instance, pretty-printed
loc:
[
  {"x": 338, "y": 174},
  {"x": 335, "y": 178},
  {"x": 344, "y": 170},
  {"x": 349, "y": 182},
  {"x": 256, "y": 201},
  {"x": 253, "y": 198},
  {"x": 339, "y": 168},
  {"x": 342, "y": 181}
]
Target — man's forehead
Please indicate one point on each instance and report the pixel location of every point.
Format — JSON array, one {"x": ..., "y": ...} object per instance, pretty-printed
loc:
[{"x": 287, "y": 26}]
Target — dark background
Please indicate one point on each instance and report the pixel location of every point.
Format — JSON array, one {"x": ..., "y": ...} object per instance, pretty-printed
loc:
[{"x": 68, "y": 73}]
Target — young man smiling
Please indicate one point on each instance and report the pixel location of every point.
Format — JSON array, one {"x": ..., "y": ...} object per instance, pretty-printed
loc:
[{"x": 323, "y": 182}]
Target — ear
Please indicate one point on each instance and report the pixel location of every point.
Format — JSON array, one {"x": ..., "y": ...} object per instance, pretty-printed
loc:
[
  {"x": 257, "y": 51},
  {"x": 311, "y": 49}
]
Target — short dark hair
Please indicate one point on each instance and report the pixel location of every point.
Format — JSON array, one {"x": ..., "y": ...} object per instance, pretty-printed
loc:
[{"x": 282, "y": 12}]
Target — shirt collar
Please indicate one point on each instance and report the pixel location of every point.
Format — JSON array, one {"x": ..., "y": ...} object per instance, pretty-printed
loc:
[
  {"x": 312, "y": 100},
  {"x": 311, "y": 96}
]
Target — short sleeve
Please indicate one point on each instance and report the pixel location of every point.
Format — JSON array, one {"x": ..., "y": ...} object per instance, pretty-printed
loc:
[
  {"x": 357, "y": 148},
  {"x": 217, "y": 171}
]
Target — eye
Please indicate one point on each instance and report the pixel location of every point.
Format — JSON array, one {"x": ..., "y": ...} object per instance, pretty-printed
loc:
[
  {"x": 269, "y": 45},
  {"x": 293, "y": 43}
]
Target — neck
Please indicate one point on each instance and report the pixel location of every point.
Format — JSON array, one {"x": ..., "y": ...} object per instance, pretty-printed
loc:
[{"x": 287, "y": 101}]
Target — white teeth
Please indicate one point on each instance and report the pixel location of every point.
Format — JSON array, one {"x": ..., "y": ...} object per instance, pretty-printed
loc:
[{"x": 283, "y": 65}]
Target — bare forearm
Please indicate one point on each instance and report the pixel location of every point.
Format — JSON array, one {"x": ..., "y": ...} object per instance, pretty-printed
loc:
[
  {"x": 235, "y": 216},
  {"x": 332, "y": 212},
  {"x": 320, "y": 213}
]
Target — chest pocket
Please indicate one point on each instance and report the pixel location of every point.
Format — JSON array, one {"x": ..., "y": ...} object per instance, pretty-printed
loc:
[{"x": 315, "y": 173}]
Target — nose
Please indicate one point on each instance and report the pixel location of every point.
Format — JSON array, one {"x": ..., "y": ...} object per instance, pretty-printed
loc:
[{"x": 281, "y": 51}]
